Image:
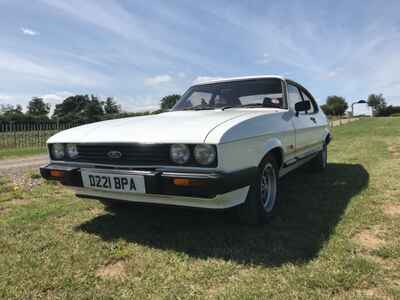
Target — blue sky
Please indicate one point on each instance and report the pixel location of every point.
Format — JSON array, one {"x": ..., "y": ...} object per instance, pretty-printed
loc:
[{"x": 139, "y": 51}]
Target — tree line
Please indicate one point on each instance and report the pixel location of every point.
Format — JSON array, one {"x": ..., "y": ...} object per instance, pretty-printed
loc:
[
  {"x": 78, "y": 108},
  {"x": 89, "y": 108},
  {"x": 337, "y": 106},
  {"x": 75, "y": 109}
]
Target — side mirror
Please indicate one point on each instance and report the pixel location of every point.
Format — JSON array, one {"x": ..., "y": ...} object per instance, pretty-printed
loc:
[{"x": 302, "y": 106}]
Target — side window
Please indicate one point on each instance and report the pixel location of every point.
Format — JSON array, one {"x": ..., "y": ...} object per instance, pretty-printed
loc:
[
  {"x": 293, "y": 95},
  {"x": 312, "y": 103}
]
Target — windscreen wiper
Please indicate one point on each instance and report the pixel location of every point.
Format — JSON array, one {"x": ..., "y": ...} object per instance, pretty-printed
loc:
[
  {"x": 250, "y": 105},
  {"x": 200, "y": 107}
]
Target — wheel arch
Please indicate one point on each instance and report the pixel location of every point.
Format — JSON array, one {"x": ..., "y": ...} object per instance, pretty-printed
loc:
[
  {"x": 327, "y": 136},
  {"x": 274, "y": 147}
]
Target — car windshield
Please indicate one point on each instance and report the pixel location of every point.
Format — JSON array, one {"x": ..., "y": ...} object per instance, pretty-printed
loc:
[{"x": 245, "y": 93}]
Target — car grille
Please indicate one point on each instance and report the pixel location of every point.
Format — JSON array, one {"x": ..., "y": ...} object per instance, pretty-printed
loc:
[{"x": 131, "y": 154}]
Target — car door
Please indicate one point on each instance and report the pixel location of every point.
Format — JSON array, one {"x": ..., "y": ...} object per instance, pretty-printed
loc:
[
  {"x": 319, "y": 123},
  {"x": 303, "y": 124}
]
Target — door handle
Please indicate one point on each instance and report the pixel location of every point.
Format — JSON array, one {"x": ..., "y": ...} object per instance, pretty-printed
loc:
[{"x": 313, "y": 119}]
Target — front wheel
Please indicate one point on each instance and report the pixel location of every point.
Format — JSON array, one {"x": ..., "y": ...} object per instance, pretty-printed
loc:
[{"x": 263, "y": 194}]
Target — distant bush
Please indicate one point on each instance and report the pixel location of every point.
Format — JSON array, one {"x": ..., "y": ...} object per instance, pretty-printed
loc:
[{"x": 390, "y": 111}]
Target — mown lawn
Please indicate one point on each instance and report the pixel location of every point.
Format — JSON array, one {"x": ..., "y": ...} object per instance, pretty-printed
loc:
[{"x": 337, "y": 235}]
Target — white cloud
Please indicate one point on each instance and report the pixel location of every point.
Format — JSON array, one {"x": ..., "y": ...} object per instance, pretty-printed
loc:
[
  {"x": 113, "y": 17},
  {"x": 157, "y": 80},
  {"x": 201, "y": 79},
  {"x": 138, "y": 103},
  {"x": 39, "y": 71},
  {"x": 28, "y": 31},
  {"x": 331, "y": 74},
  {"x": 6, "y": 99},
  {"x": 266, "y": 58},
  {"x": 145, "y": 108},
  {"x": 56, "y": 98}
]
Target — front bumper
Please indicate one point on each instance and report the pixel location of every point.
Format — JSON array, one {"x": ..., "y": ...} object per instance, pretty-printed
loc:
[{"x": 161, "y": 182}]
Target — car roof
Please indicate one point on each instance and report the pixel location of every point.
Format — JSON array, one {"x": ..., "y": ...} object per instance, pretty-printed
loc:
[{"x": 228, "y": 79}]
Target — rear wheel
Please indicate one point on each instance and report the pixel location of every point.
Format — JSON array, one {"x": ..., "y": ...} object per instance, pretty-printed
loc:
[
  {"x": 263, "y": 194},
  {"x": 320, "y": 162}
]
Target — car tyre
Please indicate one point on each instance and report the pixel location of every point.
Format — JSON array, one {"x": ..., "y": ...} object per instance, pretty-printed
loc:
[
  {"x": 320, "y": 162},
  {"x": 263, "y": 194}
]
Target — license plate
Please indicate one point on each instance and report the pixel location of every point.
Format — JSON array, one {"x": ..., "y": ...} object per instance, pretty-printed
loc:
[{"x": 125, "y": 183}]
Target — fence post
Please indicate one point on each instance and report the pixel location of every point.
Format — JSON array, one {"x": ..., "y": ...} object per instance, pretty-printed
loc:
[
  {"x": 12, "y": 127},
  {"x": 2, "y": 133}
]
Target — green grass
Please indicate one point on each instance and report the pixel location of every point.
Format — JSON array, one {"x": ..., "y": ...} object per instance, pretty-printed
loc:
[
  {"x": 20, "y": 152},
  {"x": 333, "y": 237}
]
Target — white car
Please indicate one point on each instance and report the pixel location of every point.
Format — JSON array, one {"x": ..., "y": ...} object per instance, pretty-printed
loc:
[{"x": 224, "y": 144}]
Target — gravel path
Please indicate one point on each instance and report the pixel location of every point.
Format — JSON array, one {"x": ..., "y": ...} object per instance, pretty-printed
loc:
[{"x": 18, "y": 166}]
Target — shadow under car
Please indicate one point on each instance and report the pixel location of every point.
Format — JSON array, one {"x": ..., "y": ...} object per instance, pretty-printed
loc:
[{"x": 310, "y": 207}]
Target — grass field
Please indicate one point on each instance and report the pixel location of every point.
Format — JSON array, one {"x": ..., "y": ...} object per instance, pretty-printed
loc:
[
  {"x": 337, "y": 235},
  {"x": 18, "y": 152}
]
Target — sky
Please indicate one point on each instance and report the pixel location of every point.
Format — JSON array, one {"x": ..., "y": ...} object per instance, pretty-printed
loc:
[{"x": 139, "y": 51}]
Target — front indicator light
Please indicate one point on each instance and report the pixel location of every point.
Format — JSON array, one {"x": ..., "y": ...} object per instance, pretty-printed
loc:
[
  {"x": 189, "y": 182},
  {"x": 57, "y": 173}
]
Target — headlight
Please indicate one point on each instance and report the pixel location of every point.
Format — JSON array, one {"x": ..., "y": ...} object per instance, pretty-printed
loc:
[
  {"x": 72, "y": 151},
  {"x": 205, "y": 154},
  {"x": 180, "y": 153},
  {"x": 57, "y": 151}
]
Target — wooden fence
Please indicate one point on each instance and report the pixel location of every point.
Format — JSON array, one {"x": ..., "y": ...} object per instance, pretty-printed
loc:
[
  {"x": 35, "y": 135},
  {"x": 341, "y": 121}
]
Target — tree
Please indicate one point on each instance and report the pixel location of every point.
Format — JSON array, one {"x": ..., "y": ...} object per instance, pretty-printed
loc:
[
  {"x": 392, "y": 110},
  {"x": 93, "y": 111},
  {"x": 169, "y": 101},
  {"x": 38, "y": 108},
  {"x": 5, "y": 108},
  {"x": 8, "y": 110},
  {"x": 378, "y": 102},
  {"x": 79, "y": 108},
  {"x": 10, "y": 113},
  {"x": 336, "y": 105},
  {"x": 72, "y": 108},
  {"x": 111, "y": 107},
  {"x": 325, "y": 109}
]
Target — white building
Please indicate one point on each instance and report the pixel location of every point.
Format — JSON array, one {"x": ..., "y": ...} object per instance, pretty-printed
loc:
[{"x": 362, "y": 109}]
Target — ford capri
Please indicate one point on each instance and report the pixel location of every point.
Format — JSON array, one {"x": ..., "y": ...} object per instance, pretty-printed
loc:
[{"x": 225, "y": 144}]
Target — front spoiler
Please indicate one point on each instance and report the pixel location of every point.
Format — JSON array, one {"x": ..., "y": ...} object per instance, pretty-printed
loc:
[{"x": 208, "y": 185}]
